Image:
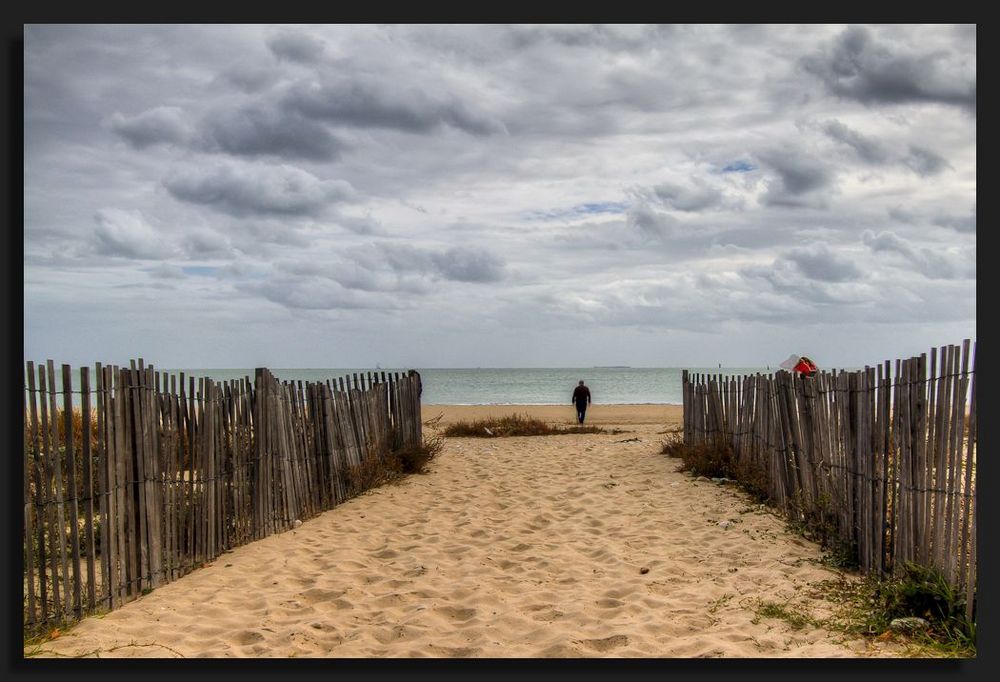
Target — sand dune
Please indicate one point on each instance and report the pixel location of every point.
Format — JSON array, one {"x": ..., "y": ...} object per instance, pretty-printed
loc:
[{"x": 558, "y": 546}]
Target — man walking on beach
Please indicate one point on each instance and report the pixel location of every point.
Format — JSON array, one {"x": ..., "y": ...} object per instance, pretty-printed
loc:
[{"x": 581, "y": 397}]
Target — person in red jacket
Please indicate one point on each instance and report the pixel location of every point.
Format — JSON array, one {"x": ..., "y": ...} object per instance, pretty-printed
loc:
[{"x": 805, "y": 367}]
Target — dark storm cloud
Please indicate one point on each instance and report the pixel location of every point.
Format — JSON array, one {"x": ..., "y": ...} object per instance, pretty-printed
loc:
[
  {"x": 920, "y": 160},
  {"x": 802, "y": 177},
  {"x": 363, "y": 276},
  {"x": 366, "y": 225},
  {"x": 247, "y": 77},
  {"x": 819, "y": 263},
  {"x": 366, "y": 103},
  {"x": 296, "y": 47},
  {"x": 955, "y": 221},
  {"x": 245, "y": 131},
  {"x": 251, "y": 131},
  {"x": 468, "y": 265},
  {"x": 801, "y": 293},
  {"x": 681, "y": 198},
  {"x": 243, "y": 190},
  {"x": 614, "y": 38},
  {"x": 206, "y": 244},
  {"x": 886, "y": 241},
  {"x": 650, "y": 223},
  {"x": 857, "y": 66},
  {"x": 166, "y": 271},
  {"x": 460, "y": 264},
  {"x": 924, "y": 162},
  {"x": 934, "y": 263},
  {"x": 159, "y": 125},
  {"x": 364, "y": 269},
  {"x": 315, "y": 293},
  {"x": 966, "y": 223},
  {"x": 868, "y": 149}
]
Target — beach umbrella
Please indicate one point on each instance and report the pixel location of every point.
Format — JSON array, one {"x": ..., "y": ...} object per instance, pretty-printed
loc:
[{"x": 790, "y": 363}]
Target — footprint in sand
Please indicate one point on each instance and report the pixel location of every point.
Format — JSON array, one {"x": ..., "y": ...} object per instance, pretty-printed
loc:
[
  {"x": 247, "y": 637},
  {"x": 316, "y": 595},
  {"x": 399, "y": 633},
  {"x": 456, "y": 652},
  {"x": 323, "y": 627},
  {"x": 606, "y": 644},
  {"x": 390, "y": 600},
  {"x": 456, "y": 613},
  {"x": 547, "y": 614}
]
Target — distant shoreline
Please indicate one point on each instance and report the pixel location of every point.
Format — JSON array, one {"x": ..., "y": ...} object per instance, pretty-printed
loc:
[
  {"x": 597, "y": 414},
  {"x": 566, "y": 404}
]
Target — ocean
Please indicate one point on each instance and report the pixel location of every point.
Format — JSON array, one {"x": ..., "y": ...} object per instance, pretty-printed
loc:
[{"x": 496, "y": 386}]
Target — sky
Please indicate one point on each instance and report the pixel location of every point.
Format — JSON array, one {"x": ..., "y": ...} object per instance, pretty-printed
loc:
[{"x": 497, "y": 195}]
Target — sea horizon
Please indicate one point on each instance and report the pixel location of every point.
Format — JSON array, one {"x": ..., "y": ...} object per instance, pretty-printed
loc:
[{"x": 617, "y": 385}]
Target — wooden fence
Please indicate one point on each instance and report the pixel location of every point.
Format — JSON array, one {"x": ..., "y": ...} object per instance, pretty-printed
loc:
[
  {"x": 157, "y": 474},
  {"x": 882, "y": 462}
]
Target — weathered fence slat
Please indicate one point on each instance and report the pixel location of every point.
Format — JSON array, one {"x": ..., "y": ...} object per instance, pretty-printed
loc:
[
  {"x": 30, "y": 485},
  {"x": 166, "y": 472},
  {"x": 88, "y": 488},
  {"x": 884, "y": 460}
]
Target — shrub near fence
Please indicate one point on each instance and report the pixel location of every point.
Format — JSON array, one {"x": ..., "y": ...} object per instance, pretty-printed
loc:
[
  {"x": 881, "y": 463},
  {"x": 174, "y": 472}
]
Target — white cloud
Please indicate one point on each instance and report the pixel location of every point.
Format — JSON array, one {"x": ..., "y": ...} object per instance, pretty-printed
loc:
[
  {"x": 621, "y": 183},
  {"x": 127, "y": 234},
  {"x": 251, "y": 189}
]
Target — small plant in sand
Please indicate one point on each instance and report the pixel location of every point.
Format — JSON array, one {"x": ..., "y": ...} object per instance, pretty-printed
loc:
[
  {"x": 866, "y": 608},
  {"x": 378, "y": 470},
  {"x": 716, "y": 460},
  {"x": 703, "y": 459},
  {"x": 923, "y": 592},
  {"x": 796, "y": 616},
  {"x": 413, "y": 459},
  {"x": 512, "y": 425}
]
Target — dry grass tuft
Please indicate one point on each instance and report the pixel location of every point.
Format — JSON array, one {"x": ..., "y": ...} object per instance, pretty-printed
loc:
[
  {"x": 716, "y": 460},
  {"x": 414, "y": 459},
  {"x": 378, "y": 470},
  {"x": 512, "y": 425}
]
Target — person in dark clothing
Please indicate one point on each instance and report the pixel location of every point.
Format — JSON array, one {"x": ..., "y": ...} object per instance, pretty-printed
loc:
[{"x": 581, "y": 398}]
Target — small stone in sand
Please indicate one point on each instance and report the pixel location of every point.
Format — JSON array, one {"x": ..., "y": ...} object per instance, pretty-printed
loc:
[
  {"x": 911, "y": 624},
  {"x": 297, "y": 523},
  {"x": 644, "y": 570}
]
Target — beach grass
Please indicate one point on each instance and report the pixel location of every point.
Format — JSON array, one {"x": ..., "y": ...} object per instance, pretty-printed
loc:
[{"x": 512, "y": 425}]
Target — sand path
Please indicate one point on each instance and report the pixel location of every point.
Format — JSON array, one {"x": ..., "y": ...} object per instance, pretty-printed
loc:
[{"x": 515, "y": 547}]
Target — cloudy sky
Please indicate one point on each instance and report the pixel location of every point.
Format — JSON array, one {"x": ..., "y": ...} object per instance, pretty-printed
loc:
[{"x": 448, "y": 196}]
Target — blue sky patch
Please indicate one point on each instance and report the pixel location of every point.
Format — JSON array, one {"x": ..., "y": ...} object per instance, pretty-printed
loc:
[
  {"x": 739, "y": 167},
  {"x": 200, "y": 270},
  {"x": 580, "y": 209},
  {"x": 602, "y": 207}
]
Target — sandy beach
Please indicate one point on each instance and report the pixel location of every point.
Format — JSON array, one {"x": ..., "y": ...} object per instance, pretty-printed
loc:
[{"x": 584, "y": 545}]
